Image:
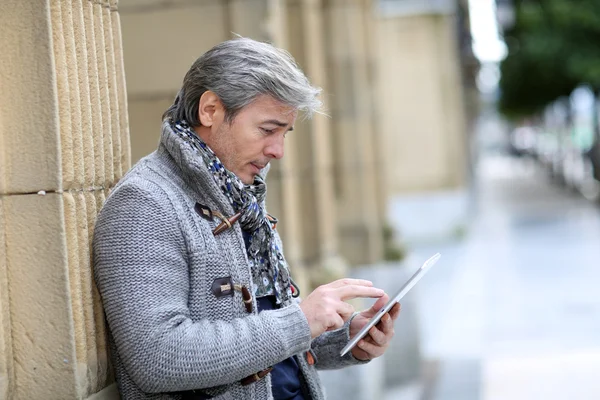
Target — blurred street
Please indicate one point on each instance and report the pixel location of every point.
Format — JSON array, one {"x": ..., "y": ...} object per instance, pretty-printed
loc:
[{"x": 512, "y": 310}]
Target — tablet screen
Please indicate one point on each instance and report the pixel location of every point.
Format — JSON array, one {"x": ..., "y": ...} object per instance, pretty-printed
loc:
[{"x": 399, "y": 295}]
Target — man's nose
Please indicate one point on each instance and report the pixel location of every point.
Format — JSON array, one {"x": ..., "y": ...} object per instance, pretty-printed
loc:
[{"x": 275, "y": 147}]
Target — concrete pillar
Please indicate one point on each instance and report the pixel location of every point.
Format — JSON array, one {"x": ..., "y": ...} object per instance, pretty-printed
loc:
[
  {"x": 356, "y": 175},
  {"x": 64, "y": 145}
]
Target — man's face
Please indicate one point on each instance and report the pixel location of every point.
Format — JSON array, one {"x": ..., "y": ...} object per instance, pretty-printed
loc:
[{"x": 254, "y": 137}]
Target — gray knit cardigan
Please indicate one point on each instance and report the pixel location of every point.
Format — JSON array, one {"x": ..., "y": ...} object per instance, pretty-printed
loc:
[{"x": 155, "y": 259}]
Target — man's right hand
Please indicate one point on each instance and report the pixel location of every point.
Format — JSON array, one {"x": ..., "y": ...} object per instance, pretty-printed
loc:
[{"x": 326, "y": 308}]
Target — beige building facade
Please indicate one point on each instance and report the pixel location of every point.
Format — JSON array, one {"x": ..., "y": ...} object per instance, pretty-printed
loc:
[
  {"x": 421, "y": 106},
  {"x": 394, "y": 123}
]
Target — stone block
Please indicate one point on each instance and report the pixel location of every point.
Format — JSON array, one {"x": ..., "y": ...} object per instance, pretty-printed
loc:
[
  {"x": 121, "y": 90},
  {"x": 94, "y": 95},
  {"x": 75, "y": 290},
  {"x": 85, "y": 277},
  {"x": 100, "y": 46},
  {"x": 28, "y": 86},
  {"x": 96, "y": 351},
  {"x": 113, "y": 96},
  {"x": 62, "y": 91},
  {"x": 40, "y": 300},
  {"x": 92, "y": 213},
  {"x": 80, "y": 177},
  {"x": 6, "y": 357},
  {"x": 99, "y": 321},
  {"x": 150, "y": 71},
  {"x": 145, "y": 124},
  {"x": 92, "y": 169}
]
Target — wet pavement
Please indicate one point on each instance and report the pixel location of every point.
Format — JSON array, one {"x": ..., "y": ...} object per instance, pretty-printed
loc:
[{"x": 512, "y": 310}]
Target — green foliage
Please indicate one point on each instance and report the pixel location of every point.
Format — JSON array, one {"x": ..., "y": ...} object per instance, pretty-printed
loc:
[{"x": 553, "y": 47}]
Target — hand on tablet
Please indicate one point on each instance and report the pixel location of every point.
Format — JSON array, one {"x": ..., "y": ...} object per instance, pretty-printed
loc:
[
  {"x": 326, "y": 309},
  {"x": 376, "y": 342}
]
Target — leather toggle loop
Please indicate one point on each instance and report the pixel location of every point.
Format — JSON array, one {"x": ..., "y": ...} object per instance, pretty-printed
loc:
[
  {"x": 227, "y": 222},
  {"x": 255, "y": 377}
]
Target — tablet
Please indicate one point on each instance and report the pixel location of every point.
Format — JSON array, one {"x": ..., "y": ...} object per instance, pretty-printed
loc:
[{"x": 401, "y": 293}]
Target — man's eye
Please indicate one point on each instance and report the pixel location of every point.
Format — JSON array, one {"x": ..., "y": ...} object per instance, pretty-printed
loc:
[{"x": 268, "y": 131}]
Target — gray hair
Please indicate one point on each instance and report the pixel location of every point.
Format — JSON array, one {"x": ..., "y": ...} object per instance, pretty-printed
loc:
[{"x": 238, "y": 71}]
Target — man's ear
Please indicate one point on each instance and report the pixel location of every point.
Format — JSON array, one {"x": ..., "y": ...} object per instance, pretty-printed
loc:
[{"x": 209, "y": 108}]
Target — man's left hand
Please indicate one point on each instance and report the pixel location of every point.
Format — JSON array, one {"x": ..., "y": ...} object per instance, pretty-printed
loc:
[{"x": 375, "y": 343}]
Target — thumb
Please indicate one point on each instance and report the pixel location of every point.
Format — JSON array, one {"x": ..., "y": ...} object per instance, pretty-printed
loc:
[{"x": 378, "y": 304}]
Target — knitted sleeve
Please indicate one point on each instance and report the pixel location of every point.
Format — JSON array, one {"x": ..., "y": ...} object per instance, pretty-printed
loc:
[
  {"x": 141, "y": 269},
  {"x": 327, "y": 348}
]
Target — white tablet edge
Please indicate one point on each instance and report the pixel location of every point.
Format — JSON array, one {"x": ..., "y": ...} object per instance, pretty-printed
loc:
[{"x": 401, "y": 293}]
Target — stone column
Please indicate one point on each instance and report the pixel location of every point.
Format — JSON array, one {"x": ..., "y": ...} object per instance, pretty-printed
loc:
[
  {"x": 311, "y": 145},
  {"x": 422, "y": 112},
  {"x": 356, "y": 175},
  {"x": 374, "y": 102},
  {"x": 64, "y": 146},
  {"x": 283, "y": 181}
]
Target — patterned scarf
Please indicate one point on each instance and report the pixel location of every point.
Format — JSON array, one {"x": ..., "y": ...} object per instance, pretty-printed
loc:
[{"x": 270, "y": 273}]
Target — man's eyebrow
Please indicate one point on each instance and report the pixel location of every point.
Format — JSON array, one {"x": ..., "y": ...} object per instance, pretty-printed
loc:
[{"x": 278, "y": 123}]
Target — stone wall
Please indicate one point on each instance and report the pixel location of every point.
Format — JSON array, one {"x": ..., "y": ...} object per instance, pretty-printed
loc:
[{"x": 65, "y": 144}]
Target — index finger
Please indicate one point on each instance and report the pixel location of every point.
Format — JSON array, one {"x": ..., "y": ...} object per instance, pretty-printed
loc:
[
  {"x": 354, "y": 291},
  {"x": 350, "y": 282},
  {"x": 382, "y": 301}
]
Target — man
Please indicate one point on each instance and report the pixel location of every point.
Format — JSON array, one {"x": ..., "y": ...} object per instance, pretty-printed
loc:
[{"x": 197, "y": 294}]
